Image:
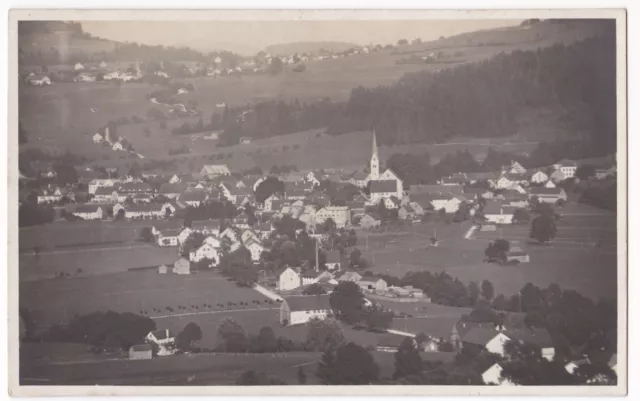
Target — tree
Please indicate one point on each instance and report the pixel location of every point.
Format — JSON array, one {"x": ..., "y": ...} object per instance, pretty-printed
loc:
[
  {"x": 191, "y": 332},
  {"x": 349, "y": 364},
  {"x": 324, "y": 335},
  {"x": 377, "y": 319},
  {"x": 354, "y": 258},
  {"x": 347, "y": 302},
  {"x": 329, "y": 226},
  {"x": 266, "y": 341},
  {"x": 543, "y": 228},
  {"x": 268, "y": 187},
  {"x": 408, "y": 361},
  {"x": 585, "y": 171},
  {"x": 302, "y": 377},
  {"x": 146, "y": 235},
  {"x": 497, "y": 250},
  {"x": 276, "y": 66},
  {"x": 474, "y": 292},
  {"x": 521, "y": 216},
  {"x": 231, "y": 336},
  {"x": 314, "y": 289},
  {"x": 193, "y": 241},
  {"x": 135, "y": 170},
  {"x": 463, "y": 213},
  {"x": 487, "y": 290}
]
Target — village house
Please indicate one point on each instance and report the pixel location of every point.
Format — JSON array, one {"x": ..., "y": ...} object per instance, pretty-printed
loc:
[
  {"x": 168, "y": 237},
  {"x": 241, "y": 220},
  {"x": 39, "y": 80},
  {"x": 300, "y": 309},
  {"x": 107, "y": 195},
  {"x": 493, "y": 339},
  {"x": 213, "y": 171},
  {"x": 269, "y": 203},
  {"x": 182, "y": 266},
  {"x": 255, "y": 248},
  {"x": 496, "y": 213},
  {"x": 192, "y": 198},
  {"x": 205, "y": 251},
  {"x": 515, "y": 168},
  {"x": 369, "y": 221},
  {"x": 539, "y": 177},
  {"x": 102, "y": 183},
  {"x": 209, "y": 227},
  {"x": 229, "y": 234},
  {"x": 50, "y": 195},
  {"x": 350, "y": 276},
  {"x": 185, "y": 232},
  {"x": 517, "y": 255},
  {"x": 213, "y": 241},
  {"x": 289, "y": 279},
  {"x": 341, "y": 215},
  {"x": 150, "y": 211},
  {"x": 140, "y": 351},
  {"x": 249, "y": 235},
  {"x": 549, "y": 184},
  {"x": 567, "y": 167},
  {"x": 448, "y": 203},
  {"x": 372, "y": 285},
  {"x": 548, "y": 195},
  {"x": 333, "y": 260},
  {"x": 164, "y": 339},
  {"x": 493, "y": 376},
  {"x": 97, "y": 138},
  {"x": 89, "y": 212}
]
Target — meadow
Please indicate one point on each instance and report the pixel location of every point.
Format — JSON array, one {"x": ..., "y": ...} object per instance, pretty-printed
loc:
[
  {"x": 59, "y": 117},
  {"x": 570, "y": 260}
]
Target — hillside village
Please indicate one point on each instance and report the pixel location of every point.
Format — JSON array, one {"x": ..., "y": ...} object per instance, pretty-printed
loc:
[{"x": 468, "y": 270}]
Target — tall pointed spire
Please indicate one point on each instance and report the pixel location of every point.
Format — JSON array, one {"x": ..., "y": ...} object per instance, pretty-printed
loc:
[
  {"x": 374, "y": 150},
  {"x": 374, "y": 164}
]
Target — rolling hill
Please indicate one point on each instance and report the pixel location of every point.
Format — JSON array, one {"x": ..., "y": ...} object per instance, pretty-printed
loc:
[{"x": 308, "y": 47}]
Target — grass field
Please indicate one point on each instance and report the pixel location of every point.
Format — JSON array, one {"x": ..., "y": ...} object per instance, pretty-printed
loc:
[
  {"x": 202, "y": 369},
  {"x": 570, "y": 260},
  {"x": 64, "y": 234},
  {"x": 56, "y": 301}
]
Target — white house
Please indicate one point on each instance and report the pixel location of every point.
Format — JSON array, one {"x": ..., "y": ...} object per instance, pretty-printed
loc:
[
  {"x": 516, "y": 168},
  {"x": 117, "y": 146},
  {"x": 289, "y": 279},
  {"x": 341, "y": 215},
  {"x": 97, "y": 138},
  {"x": 249, "y": 235},
  {"x": 255, "y": 248},
  {"x": 494, "y": 340},
  {"x": 185, "y": 232},
  {"x": 89, "y": 212},
  {"x": 78, "y": 67},
  {"x": 164, "y": 339},
  {"x": 215, "y": 170},
  {"x": 372, "y": 285},
  {"x": 301, "y": 309},
  {"x": 496, "y": 213},
  {"x": 213, "y": 241},
  {"x": 205, "y": 251},
  {"x": 493, "y": 376},
  {"x": 449, "y": 203},
  {"x": 182, "y": 266},
  {"x": 568, "y": 167},
  {"x": 539, "y": 177}
]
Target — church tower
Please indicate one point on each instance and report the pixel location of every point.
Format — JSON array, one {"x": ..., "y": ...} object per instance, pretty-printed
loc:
[{"x": 374, "y": 165}]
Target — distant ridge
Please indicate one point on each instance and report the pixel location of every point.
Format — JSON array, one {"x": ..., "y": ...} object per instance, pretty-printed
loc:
[{"x": 308, "y": 47}]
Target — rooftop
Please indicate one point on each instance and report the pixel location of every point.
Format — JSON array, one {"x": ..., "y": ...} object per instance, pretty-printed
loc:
[{"x": 308, "y": 302}]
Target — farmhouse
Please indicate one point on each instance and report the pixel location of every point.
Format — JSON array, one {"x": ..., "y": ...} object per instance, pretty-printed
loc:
[
  {"x": 164, "y": 339},
  {"x": 493, "y": 376},
  {"x": 539, "y": 177},
  {"x": 212, "y": 170},
  {"x": 301, "y": 309},
  {"x": 205, "y": 251},
  {"x": 289, "y": 279},
  {"x": 449, "y": 203},
  {"x": 496, "y": 213},
  {"x": 192, "y": 198},
  {"x": 97, "y": 138},
  {"x": 567, "y": 167},
  {"x": 140, "y": 351},
  {"x": 255, "y": 248},
  {"x": 341, "y": 215},
  {"x": 548, "y": 195},
  {"x": 209, "y": 227},
  {"x": 372, "y": 285},
  {"x": 494, "y": 340},
  {"x": 168, "y": 237},
  {"x": 89, "y": 212},
  {"x": 350, "y": 276},
  {"x": 368, "y": 221},
  {"x": 50, "y": 195},
  {"x": 182, "y": 266},
  {"x": 39, "y": 80},
  {"x": 151, "y": 211}
]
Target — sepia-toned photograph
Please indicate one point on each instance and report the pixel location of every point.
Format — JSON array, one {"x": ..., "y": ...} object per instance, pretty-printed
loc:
[{"x": 317, "y": 202}]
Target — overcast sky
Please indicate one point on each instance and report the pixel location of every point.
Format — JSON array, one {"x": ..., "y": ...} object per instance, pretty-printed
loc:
[{"x": 249, "y": 37}]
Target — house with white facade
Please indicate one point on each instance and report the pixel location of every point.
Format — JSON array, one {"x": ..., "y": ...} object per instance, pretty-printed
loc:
[
  {"x": 289, "y": 279},
  {"x": 341, "y": 215},
  {"x": 539, "y": 177},
  {"x": 168, "y": 237},
  {"x": 89, "y": 212},
  {"x": 164, "y": 339},
  {"x": 97, "y": 138},
  {"x": 255, "y": 248},
  {"x": 215, "y": 170},
  {"x": 567, "y": 167},
  {"x": 496, "y": 213},
  {"x": 493, "y": 376},
  {"x": 205, "y": 251},
  {"x": 301, "y": 309}
]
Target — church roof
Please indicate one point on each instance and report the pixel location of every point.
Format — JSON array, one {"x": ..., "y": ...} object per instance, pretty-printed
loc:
[
  {"x": 383, "y": 186},
  {"x": 374, "y": 148}
]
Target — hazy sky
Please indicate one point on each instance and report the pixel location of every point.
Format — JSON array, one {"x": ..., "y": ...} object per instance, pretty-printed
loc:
[{"x": 249, "y": 37}]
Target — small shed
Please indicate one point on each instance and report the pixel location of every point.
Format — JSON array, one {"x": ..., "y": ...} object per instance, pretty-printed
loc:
[
  {"x": 163, "y": 269},
  {"x": 182, "y": 266},
  {"x": 140, "y": 351}
]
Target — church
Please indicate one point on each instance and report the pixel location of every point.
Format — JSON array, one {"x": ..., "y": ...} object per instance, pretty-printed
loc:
[{"x": 385, "y": 185}]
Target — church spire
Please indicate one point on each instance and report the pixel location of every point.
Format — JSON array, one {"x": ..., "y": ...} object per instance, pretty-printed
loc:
[
  {"x": 374, "y": 165},
  {"x": 374, "y": 149}
]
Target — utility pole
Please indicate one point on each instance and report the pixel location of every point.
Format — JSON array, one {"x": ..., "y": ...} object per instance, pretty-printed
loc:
[{"x": 317, "y": 263}]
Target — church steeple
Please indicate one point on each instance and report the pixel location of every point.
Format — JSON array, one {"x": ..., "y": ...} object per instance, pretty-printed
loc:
[{"x": 375, "y": 162}]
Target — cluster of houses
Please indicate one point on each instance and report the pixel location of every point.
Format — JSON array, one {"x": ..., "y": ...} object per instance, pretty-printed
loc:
[
  {"x": 105, "y": 138},
  {"x": 80, "y": 72}
]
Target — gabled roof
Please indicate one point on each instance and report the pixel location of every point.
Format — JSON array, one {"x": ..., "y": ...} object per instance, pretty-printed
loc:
[
  {"x": 205, "y": 224},
  {"x": 162, "y": 334},
  {"x": 104, "y": 190},
  {"x": 497, "y": 208},
  {"x": 308, "y": 302},
  {"x": 480, "y": 335},
  {"x": 545, "y": 191},
  {"x": 141, "y": 347},
  {"x": 220, "y": 169},
  {"x": 383, "y": 186}
]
